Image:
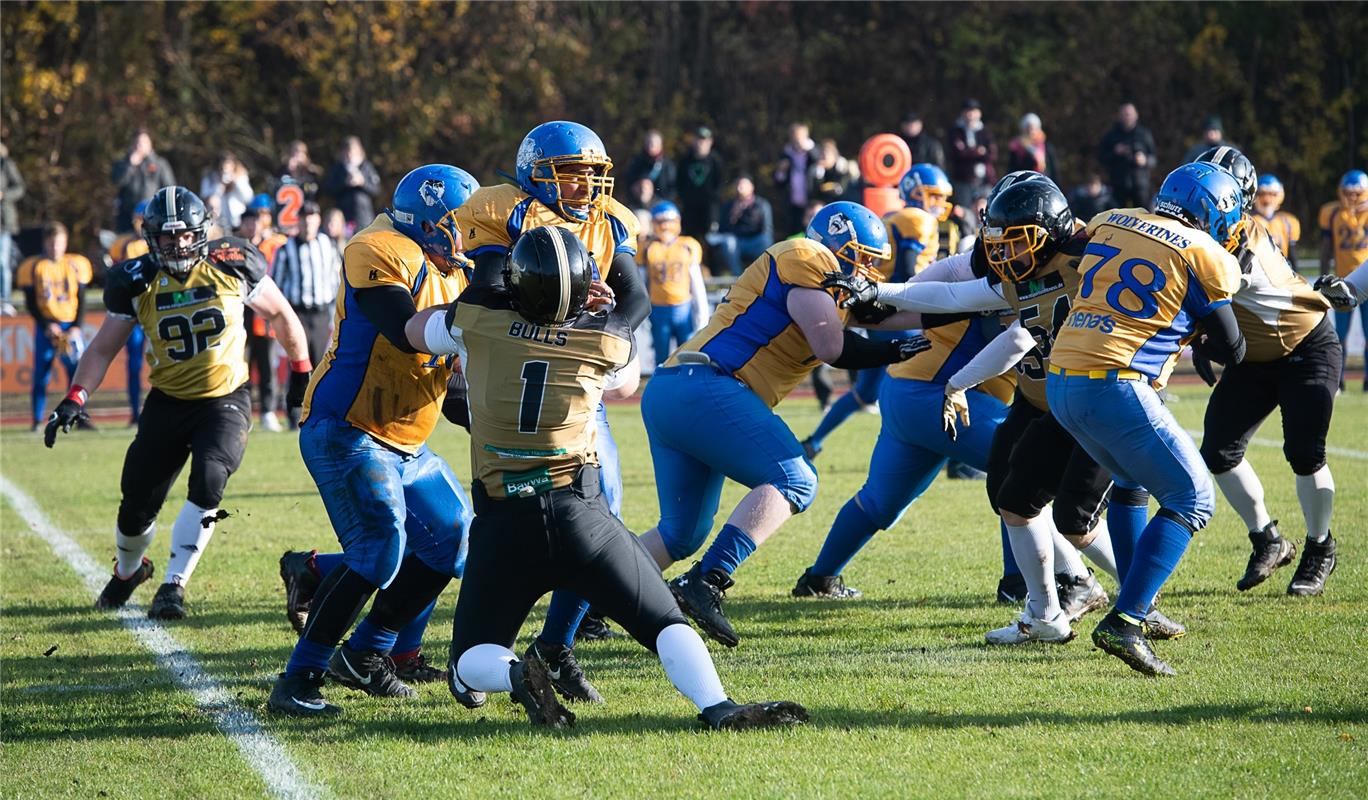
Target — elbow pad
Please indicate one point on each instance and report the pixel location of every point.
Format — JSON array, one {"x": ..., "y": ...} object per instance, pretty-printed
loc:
[{"x": 857, "y": 352}]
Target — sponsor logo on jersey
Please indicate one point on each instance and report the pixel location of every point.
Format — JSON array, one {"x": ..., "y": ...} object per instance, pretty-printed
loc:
[
  {"x": 527, "y": 484},
  {"x": 1083, "y": 319},
  {"x": 1035, "y": 287},
  {"x": 182, "y": 298}
]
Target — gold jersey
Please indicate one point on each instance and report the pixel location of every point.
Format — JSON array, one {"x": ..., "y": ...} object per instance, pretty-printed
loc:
[
  {"x": 365, "y": 380},
  {"x": 195, "y": 334},
  {"x": 1347, "y": 229},
  {"x": 533, "y": 391},
  {"x": 953, "y": 346},
  {"x": 1276, "y": 307},
  {"x": 56, "y": 283},
  {"x": 1146, "y": 279},
  {"x": 495, "y": 216},
  {"x": 915, "y": 230},
  {"x": 668, "y": 269},
  {"x": 751, "y": 335},
  {"x": 1283, "y": 228},
  {"x": 1042, "y": 303}
]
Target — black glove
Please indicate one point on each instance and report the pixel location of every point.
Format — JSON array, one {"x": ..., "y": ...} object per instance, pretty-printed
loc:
[
  {"x": 68, "y": 413},
  {"x": 456, "y": 405},
  {"x": 1202, "y": 360},
  {"x": 910, "y": 347},
  {"x": 856, "y": 289},
  {"x": 1338, "y": 291},
  {"x": 294, "y": 394},
  {"x": 1244, "y": 254},
  {"x": 871, "y": 313}
]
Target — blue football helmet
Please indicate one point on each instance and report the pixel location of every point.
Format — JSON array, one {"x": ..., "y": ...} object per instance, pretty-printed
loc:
[
  {"x": 545, "y": 155},
  {"x": 926, "y": 187},
  {"x": 424, "y": 210},
  {"x": 1269, "y": 193},
  {"x": 140, "y": 210},
  {"x": 665, "y": 218},
  {"x": 1353, "y": 189},
  {"x": 1206, "y": 197},
  {"x": 854, "y": 234}
]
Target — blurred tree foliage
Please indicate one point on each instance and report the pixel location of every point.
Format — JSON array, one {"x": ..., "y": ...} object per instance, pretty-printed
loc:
[{"x": 461, "y": 82}]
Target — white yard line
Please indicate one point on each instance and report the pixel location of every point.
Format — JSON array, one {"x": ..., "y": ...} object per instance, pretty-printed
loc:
[
  {"x": 263, "y": 753},
  {"x": 1343, "y": 452}
]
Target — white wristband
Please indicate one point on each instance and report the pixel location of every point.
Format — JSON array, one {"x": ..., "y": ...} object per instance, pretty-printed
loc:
[{"x": 438, "y": 337}]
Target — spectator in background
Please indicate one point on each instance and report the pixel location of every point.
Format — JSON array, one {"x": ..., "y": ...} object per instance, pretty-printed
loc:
[
  {"x": 640, "y": 198},
  {"x": 1127, "y": 154},
  {"x": 831, "y": 174},
  {"x": 136, "y": 177},
  {"x": 308, "y": 270},
  {"x": 746, "y": 229},
  {"x": 926, "y": 149},
  {"x": 793, "y": 173},
  {"x": 1213, "y": 135},
  {"x": 1091, "y": 198},
  {"x": 1030, "y": 150},
  {"x": 54, "y": 286},
  {"x": 225, "y": 187},
  {"x": 700, "y": 174},
  {"x": 298, "y": 169},
  {"x": 335, "y": 227},
  {"x": 11, "y": 189},
  {"x": 352, "y": 183},
  {"x": 261, "y": 349},
  {"x": 972, "y": 152},
  {"x": 650, "y": 164}
]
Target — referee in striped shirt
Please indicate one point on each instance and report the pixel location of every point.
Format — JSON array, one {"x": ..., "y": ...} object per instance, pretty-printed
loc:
[{"x": 308, "y": 269}]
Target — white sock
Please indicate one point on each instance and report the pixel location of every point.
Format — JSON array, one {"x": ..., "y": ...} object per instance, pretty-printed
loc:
[
  {"x": 689, "y": 666},
  {"x": 190, "y": 534},
  {"x": 1099, "y": 551},
  {"x": 1245, "y": 494},
  {"x": 128, "y": 550},
  {"x": 1316, "y": 493},
  {"x": 1066, "y": 557},
  {"x": 485, "y": 667},
  {"x": 1033, "y": 548}
]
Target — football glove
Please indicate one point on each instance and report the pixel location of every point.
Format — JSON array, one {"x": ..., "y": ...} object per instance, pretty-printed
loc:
[
  {"x": 871, "y": 313},
  {"x": 855, "y": 288},
  {"x": 68, "y": 413},
  {"x": 294, "y": 394},
  {"x": 1340, "y": 294},
  {"x": 1201, "y": 362},
  {"x": 910, "y": 347},
  {"x": 956, "y": 404}
]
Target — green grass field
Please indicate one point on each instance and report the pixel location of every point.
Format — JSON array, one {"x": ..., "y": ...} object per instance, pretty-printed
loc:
[{"x": 906, "y": 700}]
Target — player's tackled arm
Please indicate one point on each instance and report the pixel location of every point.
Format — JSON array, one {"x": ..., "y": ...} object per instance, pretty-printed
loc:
[
  {"x": 90, "y": 373},
  {"x": 270, "y": 303},
  {"x": 632, "y": 299},
  {"x": 815, "y": 314}
]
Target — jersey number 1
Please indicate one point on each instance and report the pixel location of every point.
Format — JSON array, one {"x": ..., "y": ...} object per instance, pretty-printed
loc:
[{"x": 534, "y": 391}]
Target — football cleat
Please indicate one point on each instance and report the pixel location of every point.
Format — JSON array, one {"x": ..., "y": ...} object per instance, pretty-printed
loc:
[
  {"x": 1027, "y": 628},
  {"x": 1078, "y": 596},
  {"x": 466, "y": 696},
  {"x": 810, "y": 449},
  {"x": 299, "y": 696},
  {"x": 594, "y": 628},
  {"x": 729, "y": 716},
  {"x": 414, "y": 668},
  {"x": 566, "y": 675},
  {"x": 532, "y": 687},
  {"x": 1158, "y": 626},
  {"x": 1011, "y": 589},
  {"x": 168, "y": 602},
  {"x": 301, "y": 579},
  {"x": 1270, "y": 552},
  {"x": 1127, "y": 642},
  {"x": 118, "y": 590},
  {"x": 1317, "y": 562},
  {"x": 700, "y": 597},
  {"x": 367, "y": 671},
  {"x": 831, "y": 587}
]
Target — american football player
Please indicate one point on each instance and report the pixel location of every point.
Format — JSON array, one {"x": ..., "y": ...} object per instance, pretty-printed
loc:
[
  {"x": 1344, "y": 245},
  {"x": 674, "y": 277},
  {"x": 1283, "y": 228},
  {"x": 54, "y": 284}
]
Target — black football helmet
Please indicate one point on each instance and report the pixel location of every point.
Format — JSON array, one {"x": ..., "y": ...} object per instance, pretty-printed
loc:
[
  {"x": 549, "y": 272},
  {"x": 1023, "y": 226},
  {"x": 171, "y": 212},
  {"x": 1239, "y": 167}
]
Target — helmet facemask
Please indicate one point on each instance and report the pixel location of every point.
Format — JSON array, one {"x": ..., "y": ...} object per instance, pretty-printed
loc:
[
  {"x": 1268, "y": 201},
  {"x": 594, "y": 185},
  {"x": 165, "y": 248},
  {"x": 1013, "y": 252},
  {"x": 861, "y": 260},
  {"x": 442, "y": 242},
  {"x": 933, "y": 200}
]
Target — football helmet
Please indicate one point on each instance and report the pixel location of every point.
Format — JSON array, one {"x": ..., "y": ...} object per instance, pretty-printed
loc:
[
  {"x": 1240, "y": 167},
  {"x": 1023, "y": 226},
  {"x": 1013, "y": 178},
  {"x": 172, "y": 212},
  {"x": 665, "y": 218},
  {"x": 424, "y": 209},
  {"x": 1353, "y": 189},
  {"x": 1269, "y": 193},
  {"x": 926, "y": 187},
  {"x": 854, "y": 234},
  {"x": 546, "y": 168},
  {"x": 1205, "y": 197},
  {"x": 548, "y": 272}
]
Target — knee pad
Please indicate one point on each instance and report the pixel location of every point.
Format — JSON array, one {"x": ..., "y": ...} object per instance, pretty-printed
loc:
[
  {"x": 882, "y": 518},
  {"x": 135, "y": 519},
  {"x": 1218, "y": 459},
  {"x": 1129, "y": 497},
  {"x": 682, "y": 544},
  {"x": 1305, "y": 458},
  {"x": 1081, "y": 540},
  {"x": 798, "y": 484},
  {"x": 208, "y": 483}
]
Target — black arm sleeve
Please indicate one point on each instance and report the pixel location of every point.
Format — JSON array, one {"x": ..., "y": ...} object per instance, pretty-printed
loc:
[
  {"x": 388, "y": 308},
  {"x": 633, "y": 302},
  {"x": 1225, "y": 344},
  {"x": 31, "y": 303},
  {"x": 857, "y": 352},
  {"x": 80, "y": 304},
  {"x": 489, "y": 269},
  {"x": 939, "y": 320},
  {"x": 1292, "y": 256}
]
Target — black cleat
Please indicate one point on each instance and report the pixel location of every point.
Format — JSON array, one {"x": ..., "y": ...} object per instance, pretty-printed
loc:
[
  {"x": 565, "y": 672},
  {"x": 1317, "y": 562},
  {"x": 1124, "y": 640},
  {"x": 168, "y": 603},
  {"x": 367, "y": 671},
  {"x": 1078, "y": 596},
  {"x": 299, "y": 696},
  {"x": 700, "y": 597},
  {"x": 118, "y": 590},
  {"x": 466, "y": 696},
  {"x": 83, "y": 423},
  {"x": 594, "y": 628},
  {"x": 532, "y": 687},
  {"x": 416, "y": 669},
  {"x": 1011, "y": 589},
  {"x": 301, "y": 579},
  {"x": 1270, "y": 552},
  {"x": 1158, "y": 626},
  {"x": 810, "y": 450},
  {"x": 729, "y": 716},
  {"x": 831, "y": 587}
]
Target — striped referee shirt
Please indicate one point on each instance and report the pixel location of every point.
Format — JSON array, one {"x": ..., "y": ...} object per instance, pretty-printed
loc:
[{"x": 308, "y": 273}]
